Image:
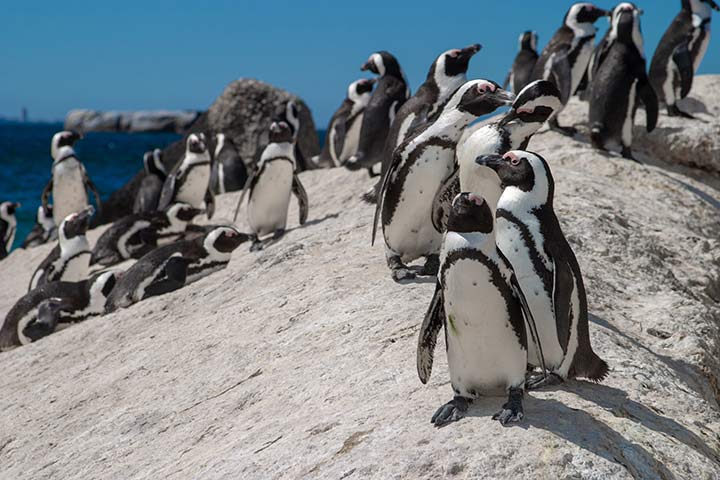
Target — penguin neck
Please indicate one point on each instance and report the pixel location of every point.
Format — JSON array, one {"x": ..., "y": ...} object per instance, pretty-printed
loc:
[
  {"x": 359, "y": 102},
  {"x": 581, "y": 30},
  {"x": 484, "y": 242},
  {"x": 481, "y": 181},
  {"x": 192, "y": 158},
  {"x": 519, "y": 201},
  {"x": 279, "y": 150},
  {"x": 451, "y": 124},
  {"x": 63, "y": 154},
  {"x": 176, "y": 225},
  {"x": 519, "y": 132},
  {"x": 700, "y": 11},
  {"x": 72, "y": 246},
  {"x": 446, "y": 86}
]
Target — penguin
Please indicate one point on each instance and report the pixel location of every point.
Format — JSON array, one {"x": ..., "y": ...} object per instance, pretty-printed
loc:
[
  {"x": 270, "y": 187},
  {"x": 343, "y": 131},
  {"x": 290, "y": 114},
  {"x": 420, "y": 165},
  {"x": 53, "y": 306},
  {"x": 621, "y": 81},
  {"x": 148, "y": 195},
  {"x": 135, "y": 235},
  {"x": 529, "y": 234},
  {"x": 189, "y": 180},
  {"x": 680, "y": 52},
  {"x": 8, "y": 227},
  {"x": 69, "y": 181},
  {"x": 229, "y": 172},
  {"x": 44, "y": 229},
  {"x": 522, "y": 67},
  {"x": 565, "y": 58},
  {"x": 391, "y": 92},
  {"x": 447, "y": 73},
  {"x": 533, "y": 106},
  {"x": 487, "y": 353},
  {"x": 70, "y": 259},
  {"x": 172, "y": 266}
]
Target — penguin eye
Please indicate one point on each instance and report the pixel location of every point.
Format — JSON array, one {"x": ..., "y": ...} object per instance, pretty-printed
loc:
[{"x": 514, "y": 161}]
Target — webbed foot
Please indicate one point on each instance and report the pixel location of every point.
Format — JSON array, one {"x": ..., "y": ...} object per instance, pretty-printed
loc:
[
  {"x": 512, "y": 411},
  {"x": 452, "y": 411},
  {"x": 539, "y": 381}
]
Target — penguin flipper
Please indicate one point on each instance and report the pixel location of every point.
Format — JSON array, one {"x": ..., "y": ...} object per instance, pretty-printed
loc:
[
  {"x": 172, "y": 277},
  {"x": 90, "y": 185},
  {"x": 561, "y": 75},
  {"x": 249, "y": 184},
  {"x": 427, "y": 339},
  {"x": 443, "y": 200},
  {"x": 563, "y": 286},
  {"x": 529, "y": 320},
  {"x": 396, "y": 159},
  {"x": 209, "y": 202},
  {"x": 650, "y": 100},
  {"x": 338, "y": 139},
  {"x": 168, "y": 191},
  {"x": 683, "y": 63},
  {"x": 46, "y": 194},
  {"x": 303, "y": 204}
]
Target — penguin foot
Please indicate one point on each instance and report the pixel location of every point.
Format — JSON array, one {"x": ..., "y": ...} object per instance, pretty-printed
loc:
[
  {"x": 452, "y": 411},
  {"x": 279, "y": 233},
  {"x": 403, "y": 273},
  {"x": 568, "y": 131},
  {"x": 432, "y": 266},
  {"x": 513, "y": 410},
  {"x": 674, "y": 111},
  {"x": 370, "y": 196},
  {"x": 627, "y": 153},
  {"x": 256, "y": 245},
  {"x": 540, "y": 381}
]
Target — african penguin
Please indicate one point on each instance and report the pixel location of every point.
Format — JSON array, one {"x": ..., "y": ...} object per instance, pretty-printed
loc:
[
  {"x": 8, "y": 227},
  {"x": 70, "y": 259},
  {"x": 148, "y": 195},
  {"x": 44, "y": 229},
  {"x": 135, "y": 235},
  {"x": 270, "y": 188},
  {"x": 419, "y": 167},
  {"x": 343, "y": 131},
  {"x": 229, "y": 172},
  {"x": 680, "y": 52},
  {"x": 529, "y": 234},
  {"x": 53, "y": 306},
  {"x": 522, "y": 67},
  {"x": 172, "y": 266},
  {"x": 533, "y": 106},
  {"x": 487, "y": 353},
  {"x": 565, "y": 58},
  {"x": 69, "y": 180},
  {"x": 619, "y": 82},
  {"x": 447, "y": 73},
  {"x": 189, "y": 180},
  {"x": 290, "y": 114},
  {"x": 391, "y": 92}
]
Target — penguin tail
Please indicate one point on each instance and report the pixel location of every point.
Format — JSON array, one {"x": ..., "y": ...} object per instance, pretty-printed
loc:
[{"x": 596, "y": 136}]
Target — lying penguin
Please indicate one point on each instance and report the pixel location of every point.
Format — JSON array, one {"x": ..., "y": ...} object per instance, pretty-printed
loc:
[
  {"x": 70, "y": 259},
  {"x": 44, "y": 229},
  {"x": 487, "y": 353},
  {"x": 529, "y": 233},
  {"x": 135, "y": 235},
  {"x": 41, "y": 311},
  {"x": 270, "y": 187},
  {"x": 172, "y": 266},
  {"x": 8, "y": 227},
  {"x": 148, "y": 195}
]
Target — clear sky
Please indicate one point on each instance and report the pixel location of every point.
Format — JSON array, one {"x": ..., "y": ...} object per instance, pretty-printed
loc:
[{"x": 160, "y": 54}]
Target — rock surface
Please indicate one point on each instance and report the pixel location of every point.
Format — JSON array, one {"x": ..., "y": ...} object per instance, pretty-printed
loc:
[
  {"x": 143, "y": 121},
  {"x": 243, "y": 112},
  {"x": 299, "y": 361}
]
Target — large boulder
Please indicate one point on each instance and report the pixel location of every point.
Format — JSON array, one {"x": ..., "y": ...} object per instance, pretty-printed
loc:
[
  {"x": 243, "y": 112},
  {"x": 142, "y": 121}
]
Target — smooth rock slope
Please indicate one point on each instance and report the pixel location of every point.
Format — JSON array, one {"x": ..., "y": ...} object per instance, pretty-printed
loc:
[{"x": 299, "y": 361}]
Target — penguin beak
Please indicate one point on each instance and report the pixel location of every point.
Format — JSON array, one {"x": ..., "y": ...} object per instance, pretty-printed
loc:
[
  {"x": 470, "y": 50},
  {"x": 369, "y": 66},
  {"x": 491, "y": 161},
  {"x": 503, "y": 97},
  {"x": 509, "y": 117},
  {"x": 13, "y": 207}
]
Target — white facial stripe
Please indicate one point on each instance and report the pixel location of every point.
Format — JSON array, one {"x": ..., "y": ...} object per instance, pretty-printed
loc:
[
  {"x": 220, "y": 143},
  {"x": 520, "y": 41},
  {"x": 636, "y": 34},
  {"x": 581, "y": 30},
  {"x": 533, "y": 41},
  {"x": 209, "y": 244},
  {"x": 539, "y": 193},
  {"x": 379, "y": 64},
  {"x": 542, "y": 101}
]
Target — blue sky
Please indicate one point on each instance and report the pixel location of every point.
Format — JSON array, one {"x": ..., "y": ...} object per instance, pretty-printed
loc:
[{"x": 180, "y": 55}]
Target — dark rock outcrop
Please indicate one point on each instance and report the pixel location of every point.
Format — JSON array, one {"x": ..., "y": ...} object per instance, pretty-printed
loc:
[{"x": 142, "y": 121}]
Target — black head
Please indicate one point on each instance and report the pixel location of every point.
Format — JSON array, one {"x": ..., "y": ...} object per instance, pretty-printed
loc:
[
  {"x": 383, "y": 63},
  {"x": 280, "y": 132},
  {"x": 183, "y": 212},
  {"x": 364, "y": 85},
  {"x": 480, "y": 97},
  {"x": 196, "y": 143},
  {"x": 457, "y": 61},
  {"x": 102, "y": 283},
  {"x": 67, "y": 138},
  {"x": 290, "y": 114},
  {"x": 528, "y": 41},
  {"x": 7, "y": 209},
  {"x": 470, "y": 213},
  {"x": 224, "y": 239},
  {"x": 51, "y": 307},
  {"x": 695, "y": 5},
  {"x": 521, "y": 169},
  {"x": 77, "y": 224},
  {"x": 584, "y": 13},
  {"x": 624, "y": 19},
  {"x": 534, "y": 104}
]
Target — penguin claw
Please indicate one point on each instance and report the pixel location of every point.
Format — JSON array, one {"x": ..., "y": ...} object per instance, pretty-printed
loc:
[
  {"x": 452, "y": 411},
  {"x": 370, "y": 196},
  {"x": 513, "y": 410},
  {"x": 540, "y": 381},
  {"x": 256, "y": 246},
  {"x": 402, "y": 274}
]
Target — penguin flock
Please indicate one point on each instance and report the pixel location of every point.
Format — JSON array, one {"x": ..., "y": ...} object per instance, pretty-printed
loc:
[{"x": 475, "y": 203}]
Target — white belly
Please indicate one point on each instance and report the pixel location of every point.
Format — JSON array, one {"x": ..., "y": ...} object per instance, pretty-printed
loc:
[
  {"x": 69, "y": 194},
  {"x": 76, "y": 269},
  {"x": 193, "y": 189},
  {"x": 702, "y": 50},
  {"x": 484, "y": 353},
  {"x": 627, "y": 131},
  {"x": 352, "y": 138},
  {"x": 510, "y": 242},
  {"x": 581, "y": 64},
  {"x": 269, "y": 201},
  {"x": 411, "y": 233}
]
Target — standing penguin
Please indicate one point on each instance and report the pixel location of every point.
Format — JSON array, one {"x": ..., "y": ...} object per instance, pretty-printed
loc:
[
  {"x": 391, "y": 93},
  {"x": 41, "y": 311},
  {"x": 44, "y": 229},
  {"x": 522, "y": 67},
  {"x": 420, "y": 165},
  {"x": 529, "y": 233},
  {"x": 343, "y": 131},
  {"x": 69, "y": 181},
  {"x": 189, "y": 181},
  {"x": 537, "y": 102},
  {"x": 603, "y": 47},
  {"x": 270, "y": 187},
  {"x": 70, "y": 259},
  {"x": 483, "y": 310},
  {"x": 229, "y": 173},
  {"x": 175, "y": 265},
  {"x": 148, "y": 195},
  {"x": 290, "y": 114},
  {"x": 680, "y": 52},
  {"x": 447, "y": 73},
  {"x": 135, "y": 235},
  {"x": 565, "y": 58},
  {"x": 619, "y": 81},
  {"x": 8, "y": 227}
]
